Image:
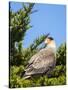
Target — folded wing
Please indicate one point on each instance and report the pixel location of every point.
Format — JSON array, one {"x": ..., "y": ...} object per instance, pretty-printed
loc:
[{"x": 41, "y": 62}]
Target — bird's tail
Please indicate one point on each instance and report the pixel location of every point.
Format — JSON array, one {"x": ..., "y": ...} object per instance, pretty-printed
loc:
[{"x": 24, "y": 76}]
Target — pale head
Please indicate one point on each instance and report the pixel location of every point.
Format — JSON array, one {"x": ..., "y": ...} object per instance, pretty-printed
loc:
[{"x": 49, "y": 41}]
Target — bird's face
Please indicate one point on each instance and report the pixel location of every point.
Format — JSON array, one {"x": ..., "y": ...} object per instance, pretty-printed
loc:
[{"x": 47, "y": 41}]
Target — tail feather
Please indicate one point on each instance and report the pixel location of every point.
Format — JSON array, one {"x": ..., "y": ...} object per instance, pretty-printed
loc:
[
  {"x": 23, "y": 74},
  {"x": 26, "y": 77}
]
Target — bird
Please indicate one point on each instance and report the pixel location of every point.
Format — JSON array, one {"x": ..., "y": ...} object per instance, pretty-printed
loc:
[{"x": 44, "y": 61}]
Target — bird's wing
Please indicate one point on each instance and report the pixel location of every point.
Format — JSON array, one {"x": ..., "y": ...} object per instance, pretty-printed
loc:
[
  {"x": 42, "y": 58},
  {"x": 41, "y": 62},
  {"x": 35, "y": 56}
]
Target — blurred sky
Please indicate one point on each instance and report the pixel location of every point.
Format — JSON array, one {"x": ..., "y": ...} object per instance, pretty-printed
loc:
[{"x": 49, "y": 19}]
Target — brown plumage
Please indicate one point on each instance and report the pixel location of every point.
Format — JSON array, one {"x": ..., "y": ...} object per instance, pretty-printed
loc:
[{"x": 43, "y": 61}]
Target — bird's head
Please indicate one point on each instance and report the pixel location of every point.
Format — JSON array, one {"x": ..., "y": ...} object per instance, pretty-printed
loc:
[{"x": 49, "y": 41}]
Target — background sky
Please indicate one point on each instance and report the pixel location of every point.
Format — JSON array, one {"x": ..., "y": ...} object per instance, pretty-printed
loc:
[{"x": 49, "y": 19}]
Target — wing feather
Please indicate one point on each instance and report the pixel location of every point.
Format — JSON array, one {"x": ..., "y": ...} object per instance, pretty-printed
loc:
[{"x": 41, "y": 61}]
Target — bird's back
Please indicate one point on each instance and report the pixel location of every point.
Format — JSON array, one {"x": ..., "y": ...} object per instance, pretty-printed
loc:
[{"x": 41, "y": 62}]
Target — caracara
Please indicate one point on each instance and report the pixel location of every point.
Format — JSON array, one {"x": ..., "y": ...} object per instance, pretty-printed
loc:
[{"x": 44, "y": 61}]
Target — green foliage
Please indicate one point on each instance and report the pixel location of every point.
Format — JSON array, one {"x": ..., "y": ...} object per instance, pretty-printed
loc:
[
  {"x": 60, "y": 52},
  {"x": 61, "y": 80},
  {"x": 19, "y": 56},
  {"x": 57, "y": 76},
  {"x": 19, "y": 23}
]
